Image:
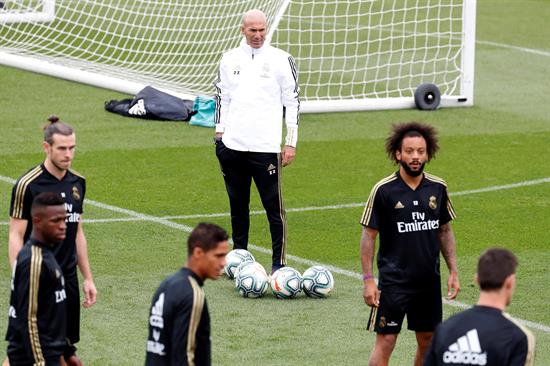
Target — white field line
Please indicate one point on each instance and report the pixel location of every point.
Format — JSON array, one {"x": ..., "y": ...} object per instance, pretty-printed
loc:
[
  {"x": 516, "y": 48},
  {"x": 302, "y": 209},
  {"x": 357, "y": 204},
  {"x": 162, "y": 221}
]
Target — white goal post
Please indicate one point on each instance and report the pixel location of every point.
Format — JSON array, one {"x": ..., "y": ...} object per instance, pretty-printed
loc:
[
  {"x": 37, "y": 11},
  {"x": 351, "y": 54}
]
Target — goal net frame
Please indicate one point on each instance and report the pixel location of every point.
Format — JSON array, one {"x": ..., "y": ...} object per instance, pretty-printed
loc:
[{"x": 462, "y": 93}]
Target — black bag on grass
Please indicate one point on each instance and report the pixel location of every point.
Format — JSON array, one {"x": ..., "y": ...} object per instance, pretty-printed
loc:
[{"x": 151, "y": 103}]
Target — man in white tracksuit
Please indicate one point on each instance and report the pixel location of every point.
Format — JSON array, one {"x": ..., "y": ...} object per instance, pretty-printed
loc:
[{"x": 255, "y": 83}]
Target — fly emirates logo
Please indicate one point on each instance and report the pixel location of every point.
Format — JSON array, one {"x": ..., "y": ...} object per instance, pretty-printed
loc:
[
  {"x": 419, "y": 223},
  {"x": 71, "y": 216}
]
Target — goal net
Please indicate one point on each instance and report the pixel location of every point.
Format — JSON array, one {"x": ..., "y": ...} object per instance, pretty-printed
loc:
[{"x": 351, "y": 55}]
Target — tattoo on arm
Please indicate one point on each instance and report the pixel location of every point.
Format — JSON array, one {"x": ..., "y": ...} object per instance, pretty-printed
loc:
[
  {"x": 367, "y": 247},
  {"x": 448, "y": 246}
]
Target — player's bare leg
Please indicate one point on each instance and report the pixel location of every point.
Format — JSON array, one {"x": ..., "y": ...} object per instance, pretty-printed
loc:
[
  {"x": 423, "y": 340},
  {"x": 383, "y": 348}
]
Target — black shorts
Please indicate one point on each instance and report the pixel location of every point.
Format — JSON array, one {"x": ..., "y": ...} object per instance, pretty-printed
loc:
[
  {"x": 73, "y": 308},
  {"x": 18, "y": 356},
  {"x": 424, "y": 311}
]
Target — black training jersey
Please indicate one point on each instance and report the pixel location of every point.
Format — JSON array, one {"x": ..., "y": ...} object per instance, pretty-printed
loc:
[
  {"x": 408, "y": 222},
  {"x": 179, "y": 323},
  {"x": 37, "y": 313},
  {"x": 72, "y": 188},
  {"x": 481, "y": 336}
]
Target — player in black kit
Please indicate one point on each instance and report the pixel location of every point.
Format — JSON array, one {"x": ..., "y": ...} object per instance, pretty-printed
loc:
[
  {"x": 36, "y": 332},
  {"x": 179, "y": 323},
  {"x": 484, "y": 334},
  {"x": 411, "y": 211},
  {"x": 55, "y": 175}
]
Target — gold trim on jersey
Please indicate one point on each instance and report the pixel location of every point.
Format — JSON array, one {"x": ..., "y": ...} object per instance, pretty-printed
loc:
[
  {"x": 194, "y": 319},
  {"x": 21, "y": 188},
  {"x": 530, "y": 357},
  {"x": 77, "y": 173},
  {"x": 282, "y": 211},
  {"x": 34, "y": 284},
  {"x": 367, "y": 212},
  {"x": 450, "y": 207},
  {"x": 435, "y": 178}
]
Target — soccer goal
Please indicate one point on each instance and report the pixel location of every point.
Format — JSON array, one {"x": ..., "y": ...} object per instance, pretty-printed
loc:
[{"x": 351, "y": 55}]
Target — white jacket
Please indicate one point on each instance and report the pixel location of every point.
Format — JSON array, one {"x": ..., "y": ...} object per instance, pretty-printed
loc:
[{"x": 253, "y": 86}]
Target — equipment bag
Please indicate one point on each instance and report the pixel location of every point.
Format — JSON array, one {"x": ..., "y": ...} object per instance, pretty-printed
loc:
[
  {"x": 205, "y": 108},
  {"x": 151, "y": 103}
]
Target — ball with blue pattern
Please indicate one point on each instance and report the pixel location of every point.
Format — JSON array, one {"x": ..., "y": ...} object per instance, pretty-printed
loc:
[{"x": 317, "y": 281}]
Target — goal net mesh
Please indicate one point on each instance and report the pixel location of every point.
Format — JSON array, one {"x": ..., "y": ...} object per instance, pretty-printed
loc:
[{"x": 344, "y": 50}]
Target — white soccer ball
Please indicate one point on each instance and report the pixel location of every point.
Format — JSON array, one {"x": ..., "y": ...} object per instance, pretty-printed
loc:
[
  {"x": 251, "y": 280},
  {"x": 234, "y": 258},
  {"x": 286, "y": 283},
  {"x": 317, "y": 281},
  {"x": 249, "y": 263}
]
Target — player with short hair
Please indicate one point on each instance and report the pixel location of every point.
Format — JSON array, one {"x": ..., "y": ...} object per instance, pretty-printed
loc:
[
  {"x": 485, "y": 334},
  {"x": 411, "y": 212},
  {"x": 256, "y": 84},
  {"x": 36, "y": 332},
  {"x": 179, "y": 322},
  {"x": 55, "y": 175}
]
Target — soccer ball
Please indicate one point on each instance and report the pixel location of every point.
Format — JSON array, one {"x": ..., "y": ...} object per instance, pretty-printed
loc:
[
  {"x": 286, "y": 283},
  {"x": 246, "y": 264},
  {"x": 317, "y": 281},
  {"x": 234, "y": 258},
  {"x": 251, "y": 280}
]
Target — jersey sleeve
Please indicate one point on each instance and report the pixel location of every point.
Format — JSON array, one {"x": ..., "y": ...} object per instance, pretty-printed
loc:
[
  {"x": 447, "y": 210},
  {"x": 290, "y": 92},
  {"x": 186, "y": 321},
  {"x": 160, "y": 327},
  {"x": 172, "y": 326},
  {"x": 33, "y": 281},
  {"x": 20, "y": 303},
  {"x": 372, "y": 212},
  {"x": 20, "y": 291},
  {"x": 222, "y": 96},
  {"x": 83, "y": 195},
  {"x": 523, "y": 352},
  {"x": 21, "y": 201},
  {"x": 181, "y": 335}
]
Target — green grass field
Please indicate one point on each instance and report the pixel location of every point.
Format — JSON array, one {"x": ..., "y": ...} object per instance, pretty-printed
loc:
[{"x": 150, "y": 182}]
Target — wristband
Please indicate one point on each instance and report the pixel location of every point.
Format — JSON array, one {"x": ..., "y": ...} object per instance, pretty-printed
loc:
[{"x": 367, "y": 276}]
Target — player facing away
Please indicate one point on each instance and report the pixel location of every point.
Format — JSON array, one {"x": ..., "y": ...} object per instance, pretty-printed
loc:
[
  {"x": 410, "y": 212},
  {"x": 179, "y": 322},
  {"x": 256, "y": 82},
  {"x": 485, "y": 334},
  {"x": 55, "y": 175},
  {"x": 36, "y": 332}
]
